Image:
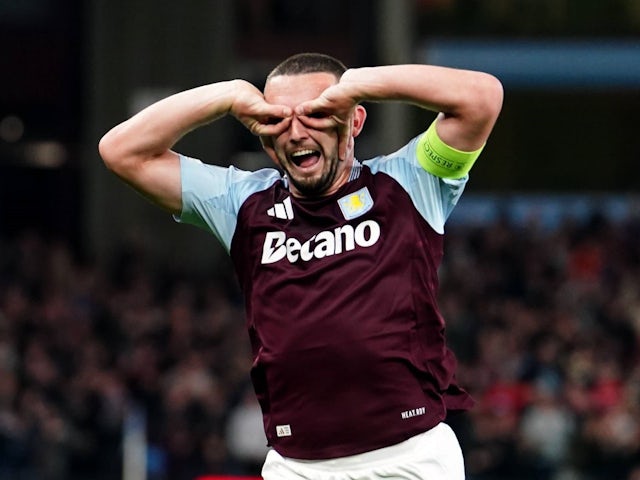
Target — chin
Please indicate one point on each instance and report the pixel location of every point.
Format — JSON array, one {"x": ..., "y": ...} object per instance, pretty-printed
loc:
[{"x": 311, "y": 188}]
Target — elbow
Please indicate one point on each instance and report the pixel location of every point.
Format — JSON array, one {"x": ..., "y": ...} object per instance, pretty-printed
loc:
[
  {"x": 107, "y": 150},
  {"x": 112, "y": 151},
  {"x": 490, "y": 93},
  {"x": 480, "y": 107},
  {"x": 477, "y": 111}
]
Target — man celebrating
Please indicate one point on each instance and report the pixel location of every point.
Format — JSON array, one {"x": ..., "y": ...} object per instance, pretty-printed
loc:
[{"x": 337, "y": 258}]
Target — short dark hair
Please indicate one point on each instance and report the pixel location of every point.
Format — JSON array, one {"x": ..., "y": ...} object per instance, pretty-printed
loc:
[{"x": 307, "y": 62}]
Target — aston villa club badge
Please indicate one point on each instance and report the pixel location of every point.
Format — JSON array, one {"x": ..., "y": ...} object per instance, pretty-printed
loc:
[{"x": 356, "y": 204}]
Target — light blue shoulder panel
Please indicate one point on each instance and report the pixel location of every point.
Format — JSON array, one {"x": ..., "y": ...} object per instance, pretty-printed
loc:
[
  {"x": 434, "y": 197},
  {"x": 212, "y": 195}
]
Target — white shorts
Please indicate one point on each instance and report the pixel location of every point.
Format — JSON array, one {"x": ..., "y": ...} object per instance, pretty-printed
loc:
[{"x": 432, "y": 455}]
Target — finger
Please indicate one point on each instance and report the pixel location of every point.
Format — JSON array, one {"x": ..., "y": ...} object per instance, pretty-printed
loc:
[
  {"x": 268, "y": 113},
  {"x": 344, "y": 142},
  {"x": 271, "y": 127},
  {"x": 310, "y": 107},
  {"x": 319, "y": 121},
  {"x": 281, "y": 111}
]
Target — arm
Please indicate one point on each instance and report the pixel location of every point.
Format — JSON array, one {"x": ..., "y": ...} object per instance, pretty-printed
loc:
[
  {"x": 139, "y": 149},
  {"x": 468, "y": 102}
]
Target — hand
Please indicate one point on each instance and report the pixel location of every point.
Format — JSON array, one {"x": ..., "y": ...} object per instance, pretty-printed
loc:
[
  {"x": 261, "y": 118},
  {"x": 334, "y": 108}
]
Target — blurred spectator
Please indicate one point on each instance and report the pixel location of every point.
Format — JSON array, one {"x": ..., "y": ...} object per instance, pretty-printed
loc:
[
  {"x": 245, "y": 436},
  {"x": 545, "y": 432}
]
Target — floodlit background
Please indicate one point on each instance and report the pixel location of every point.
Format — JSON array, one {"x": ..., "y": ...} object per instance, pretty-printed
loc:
[{"x": 122, "y": 350}]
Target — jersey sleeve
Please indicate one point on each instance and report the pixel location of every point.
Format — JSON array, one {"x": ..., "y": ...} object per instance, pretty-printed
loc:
[
  {"x": 212, "y": 195},
  {"x": 434, "y": 197}
]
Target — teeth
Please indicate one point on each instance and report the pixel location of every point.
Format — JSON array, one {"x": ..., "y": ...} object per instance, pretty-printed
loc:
[{"x": 300, "y": 153}]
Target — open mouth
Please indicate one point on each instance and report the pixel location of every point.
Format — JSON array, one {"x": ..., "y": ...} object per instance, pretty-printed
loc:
[{"x": 305, "y": 158}]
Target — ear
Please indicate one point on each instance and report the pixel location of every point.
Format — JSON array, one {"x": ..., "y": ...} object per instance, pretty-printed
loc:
[
  {"x": 359, "y": 116},
  {"x": 267, "y": 146}
]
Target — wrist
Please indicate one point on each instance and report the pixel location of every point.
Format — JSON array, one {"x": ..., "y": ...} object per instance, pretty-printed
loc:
[{"x": 354, "y": 82}]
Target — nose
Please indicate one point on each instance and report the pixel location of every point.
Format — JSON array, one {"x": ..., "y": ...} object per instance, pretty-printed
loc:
[{"x": 297, "y": 131}]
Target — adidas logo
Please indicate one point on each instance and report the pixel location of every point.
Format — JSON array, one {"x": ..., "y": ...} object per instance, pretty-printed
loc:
[{"x": 282, "y": 210}]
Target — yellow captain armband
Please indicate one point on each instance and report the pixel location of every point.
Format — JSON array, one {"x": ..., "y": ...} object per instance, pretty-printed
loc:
[{"x": 440, "y": 159}]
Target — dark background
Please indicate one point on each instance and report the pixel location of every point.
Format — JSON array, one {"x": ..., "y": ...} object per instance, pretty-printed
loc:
[{"x": 108, "y": 309}]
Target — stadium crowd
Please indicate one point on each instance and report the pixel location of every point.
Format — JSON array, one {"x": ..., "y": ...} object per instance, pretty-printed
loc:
[{"x": 545, "y": 323}]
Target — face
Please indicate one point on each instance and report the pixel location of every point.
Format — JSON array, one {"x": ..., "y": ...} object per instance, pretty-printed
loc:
[{"x": 308, "y": 156}]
